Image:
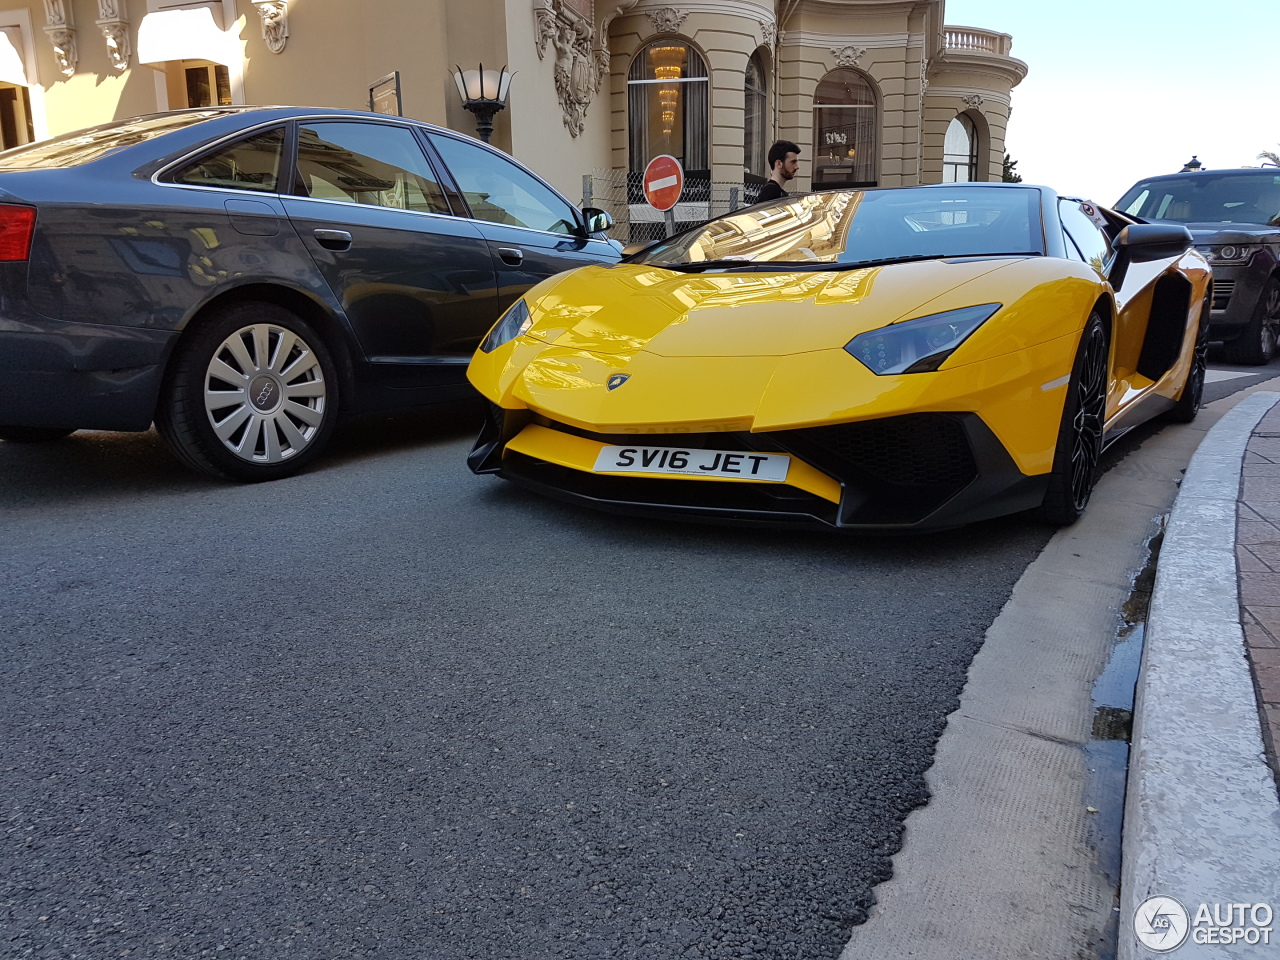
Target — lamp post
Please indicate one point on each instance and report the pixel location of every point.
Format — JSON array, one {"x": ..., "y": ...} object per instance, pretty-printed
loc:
[
  {"x": 484, "y": 93},
  {"x": 1191, "y": 166}
]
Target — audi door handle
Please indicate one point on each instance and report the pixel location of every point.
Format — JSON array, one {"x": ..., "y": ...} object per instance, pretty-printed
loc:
[
  {"x": 511, "y": 255},
  {"x": 333, "y": 239}
]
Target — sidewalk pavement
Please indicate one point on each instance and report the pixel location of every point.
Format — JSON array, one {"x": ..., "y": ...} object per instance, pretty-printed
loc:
[
  {"x": 1258, "y": 559},
  {"x": 1201, "y": 839}
]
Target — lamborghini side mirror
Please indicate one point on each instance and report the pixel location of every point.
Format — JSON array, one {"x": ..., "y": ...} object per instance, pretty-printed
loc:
[{"x": 1144, "y": 242}]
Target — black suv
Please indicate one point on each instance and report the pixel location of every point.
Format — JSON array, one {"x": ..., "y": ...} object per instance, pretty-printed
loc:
[{"x": 1234, "y": 216}]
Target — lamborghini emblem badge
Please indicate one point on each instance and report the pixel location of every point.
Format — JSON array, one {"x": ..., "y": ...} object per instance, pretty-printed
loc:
[{"x": 617, "y": 380}]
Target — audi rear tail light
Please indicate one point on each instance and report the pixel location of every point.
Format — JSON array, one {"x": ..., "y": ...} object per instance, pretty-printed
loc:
[{"x": 17, "y": 224}]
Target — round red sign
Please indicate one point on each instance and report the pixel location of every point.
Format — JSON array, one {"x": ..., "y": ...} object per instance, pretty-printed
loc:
[{"x": 663, "y": 181}]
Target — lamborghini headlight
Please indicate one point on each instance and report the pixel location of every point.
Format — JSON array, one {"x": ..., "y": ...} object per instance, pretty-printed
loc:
[
  {"x": 513, "y": 323},
  {"x": 920, "y": 345}
]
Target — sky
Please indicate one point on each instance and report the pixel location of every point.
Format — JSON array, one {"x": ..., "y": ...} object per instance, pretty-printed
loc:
[{"x": 1119, "y": 90}]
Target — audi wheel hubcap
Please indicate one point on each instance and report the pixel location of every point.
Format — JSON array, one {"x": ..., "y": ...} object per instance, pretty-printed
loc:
[{"x": 265, "y": 393}]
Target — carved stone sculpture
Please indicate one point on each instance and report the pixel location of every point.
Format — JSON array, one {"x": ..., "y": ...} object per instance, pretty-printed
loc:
[
  {"x": 581, "y": 53},
  {"x": 275, "y": 23},
  {"x": 544, "y": 15},
  {"x": 769, "y": 33},
  {"x": 115, "y": 30},
  {"x": 667, "y": 20},
  {"x": 118, "y": 47},
  {"x": 848, "y": 55},
  {"x": 62, "y": 35},
  {"x": 602, "y": 53},
  {"x": 575, "y": 73},
  {"x": 972, "y": 100}
]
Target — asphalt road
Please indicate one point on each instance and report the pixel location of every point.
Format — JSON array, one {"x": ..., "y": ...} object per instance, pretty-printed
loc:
[{"x": 390, "y": 709}]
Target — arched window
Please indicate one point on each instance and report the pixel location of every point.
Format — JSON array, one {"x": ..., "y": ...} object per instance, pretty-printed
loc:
[
  {"x": 960, "y": 151},
  {"x": 755, "y": 120},
  {"x": 667, "y": 107},
  {"x": 845, "y": 121}
]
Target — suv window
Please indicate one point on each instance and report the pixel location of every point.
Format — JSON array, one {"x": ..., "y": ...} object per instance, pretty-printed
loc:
[
  {"x": 1207, "y": 198},
  {"x": 84, "y": 146},
  {"x": 249, "y": 164},
  {"x": 499, "y": 191},
  {"x": 371, "y": 163},
  {"x": 1094, "y": 245}
]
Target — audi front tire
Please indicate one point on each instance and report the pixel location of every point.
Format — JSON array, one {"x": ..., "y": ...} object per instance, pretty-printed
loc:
[{"x": 251, "y": 395}]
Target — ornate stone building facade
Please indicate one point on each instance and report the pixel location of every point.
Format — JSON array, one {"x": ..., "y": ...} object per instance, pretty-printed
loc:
[{"x": 874, "y": 91}]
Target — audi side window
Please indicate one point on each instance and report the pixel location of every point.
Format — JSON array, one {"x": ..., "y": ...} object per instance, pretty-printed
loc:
[
  {"x": 500, "y": 192},
  {"x": 370, "y": 163},
  {"x": 249, "y": 164}
]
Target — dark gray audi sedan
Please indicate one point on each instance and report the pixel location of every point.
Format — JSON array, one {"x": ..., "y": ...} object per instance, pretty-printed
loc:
[
  {"x": 1234, "y": 216},
  {"x": 243, "y": 276}
]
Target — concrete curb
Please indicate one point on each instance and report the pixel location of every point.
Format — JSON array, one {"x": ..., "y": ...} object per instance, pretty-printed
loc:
[{"x": 1202, "y": 821}]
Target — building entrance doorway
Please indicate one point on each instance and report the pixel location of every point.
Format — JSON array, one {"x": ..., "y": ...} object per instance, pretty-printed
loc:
[{"x": 16, "y": 125}]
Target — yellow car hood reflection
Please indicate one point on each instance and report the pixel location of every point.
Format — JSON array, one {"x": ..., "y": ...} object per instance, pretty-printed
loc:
[{"x": 625, "y": 309}]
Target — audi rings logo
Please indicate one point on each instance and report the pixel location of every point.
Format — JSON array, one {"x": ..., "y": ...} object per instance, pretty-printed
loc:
[
  {"x": 265, "y": 393},
  {"x": 1161, "y": 924}
]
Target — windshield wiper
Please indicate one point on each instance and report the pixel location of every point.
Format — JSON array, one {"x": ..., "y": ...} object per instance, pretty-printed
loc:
[
  {"x": 697, "y": 266},
  {"x": 796, "y": 266}
]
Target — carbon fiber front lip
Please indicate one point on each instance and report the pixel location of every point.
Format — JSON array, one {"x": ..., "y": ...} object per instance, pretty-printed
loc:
[{"x": 997, "y": 488}]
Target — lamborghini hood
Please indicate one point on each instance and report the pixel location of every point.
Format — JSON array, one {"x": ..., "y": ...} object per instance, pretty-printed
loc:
[{"x": 627, "y": 309}]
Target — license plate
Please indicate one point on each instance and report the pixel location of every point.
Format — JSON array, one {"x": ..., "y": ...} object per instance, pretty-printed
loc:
[{"x": 694, "y": 463}]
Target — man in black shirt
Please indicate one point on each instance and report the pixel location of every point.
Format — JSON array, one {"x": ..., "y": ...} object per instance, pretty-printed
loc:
[{"x": 784, "y": 162}]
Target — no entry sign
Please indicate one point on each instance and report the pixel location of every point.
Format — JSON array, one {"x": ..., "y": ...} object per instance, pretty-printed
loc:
[{"x": 663, "y": 181}]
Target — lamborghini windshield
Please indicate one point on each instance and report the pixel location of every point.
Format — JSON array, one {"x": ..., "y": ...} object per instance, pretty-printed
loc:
[{"x": 857, "y": 227}]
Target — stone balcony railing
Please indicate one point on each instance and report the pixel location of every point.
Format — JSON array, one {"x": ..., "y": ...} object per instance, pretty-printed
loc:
[{"x": 976, "y": 40}]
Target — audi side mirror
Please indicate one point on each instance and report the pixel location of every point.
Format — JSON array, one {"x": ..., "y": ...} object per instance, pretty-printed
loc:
[
  {"x": 1144, "y": 242},
  {"x": 597, "y": 220}
]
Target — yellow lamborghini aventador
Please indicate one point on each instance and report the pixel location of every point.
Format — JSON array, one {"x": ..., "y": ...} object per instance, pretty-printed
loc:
[{"x": 893, "y": 359}]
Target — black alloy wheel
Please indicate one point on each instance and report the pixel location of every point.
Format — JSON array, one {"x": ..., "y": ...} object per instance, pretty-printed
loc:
[
  {"x": 34, "y": 434},
  {"x": 1193, "y": 390},
  {"x": 1079, "y": 447},
  {"x": 1256, "y": 344},
  {"x": 251, "y": 395}
]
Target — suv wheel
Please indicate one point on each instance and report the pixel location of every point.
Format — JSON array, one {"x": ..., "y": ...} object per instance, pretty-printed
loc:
[{"x": 1257, "y": 341}]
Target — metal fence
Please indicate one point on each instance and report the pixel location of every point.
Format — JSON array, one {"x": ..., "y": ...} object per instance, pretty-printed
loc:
[{"x": 634, "y": 221}]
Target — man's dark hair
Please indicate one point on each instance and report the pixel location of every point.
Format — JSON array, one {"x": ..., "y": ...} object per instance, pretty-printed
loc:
[{"x": 780, "y": 150}]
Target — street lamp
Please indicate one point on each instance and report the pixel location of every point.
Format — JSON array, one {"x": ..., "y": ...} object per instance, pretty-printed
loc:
[
  {"x": 484, "y": 93},
  {"x": 1191, "y": 166}
]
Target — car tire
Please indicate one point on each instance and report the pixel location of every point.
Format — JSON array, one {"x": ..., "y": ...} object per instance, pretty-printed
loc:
[
  {"x": 34, "y": 434},
  {"x": 1256, "y": 344},
  {"x": 1079, "y": 446},
  {"x": 251, "y": 394},
  {"x": 1193, "y": 390}
]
